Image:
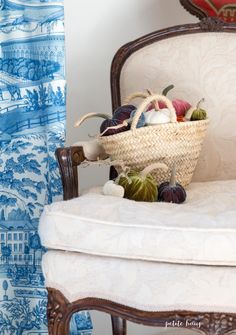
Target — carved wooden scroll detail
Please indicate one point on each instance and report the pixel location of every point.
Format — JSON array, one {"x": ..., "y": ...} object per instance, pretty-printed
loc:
[
  {"x": 69, "y": 159},
  {"x": 60, "y": 312},
  {"x": 211, "y": 24},
  {"x": 57, "y": 310}
]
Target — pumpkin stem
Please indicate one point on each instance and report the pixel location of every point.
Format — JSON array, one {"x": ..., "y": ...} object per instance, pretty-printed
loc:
[
  {"x": 123, "y": 174},
  {"x": 173, "y": 176},
  {"x": 152, "y": 167},
  {"x": 106, "y": 162},
  {"x": 149, "y": 91},
  {"x": 90, "y": 115},
  {"x": 123, "y": 124},
  {"x": 134, "y": 96},
  {"x": 155, "y": 103},
  {"x": 167, "y": 89},
  {"x": 199, "y": 103}
]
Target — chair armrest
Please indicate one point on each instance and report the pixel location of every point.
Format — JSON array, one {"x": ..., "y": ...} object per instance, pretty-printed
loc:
[{"x": 69, "y": 159}]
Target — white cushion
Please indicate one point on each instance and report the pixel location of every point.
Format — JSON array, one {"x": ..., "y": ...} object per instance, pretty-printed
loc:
[
  {"x": 201, "y": 231},
  {"x": 143, "y": 285},
  {"x": 200, "y": 66}
]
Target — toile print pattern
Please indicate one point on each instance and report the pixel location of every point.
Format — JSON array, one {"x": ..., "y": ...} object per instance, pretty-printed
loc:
[{"x": 32, "y": 125}]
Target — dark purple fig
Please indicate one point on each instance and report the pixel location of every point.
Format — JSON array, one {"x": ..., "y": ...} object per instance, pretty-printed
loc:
[
  {"x": 172, "y": 191},
  {"x": 115, "y": 125},
  {"x": 123, "y": 113}
]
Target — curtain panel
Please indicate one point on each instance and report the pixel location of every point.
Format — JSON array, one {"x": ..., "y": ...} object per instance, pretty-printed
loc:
[{"x": 32, "y": 126}]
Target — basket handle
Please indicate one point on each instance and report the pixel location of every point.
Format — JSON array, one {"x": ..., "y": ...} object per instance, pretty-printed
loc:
[{"x": 146, "y": 103}]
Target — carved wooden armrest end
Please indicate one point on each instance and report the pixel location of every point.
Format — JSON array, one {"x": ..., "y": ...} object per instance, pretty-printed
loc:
[{"x": 69, "y": 159}]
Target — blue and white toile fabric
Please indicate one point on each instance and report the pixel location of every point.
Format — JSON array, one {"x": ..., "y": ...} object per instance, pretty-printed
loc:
[{"x": 32, "y": 125}]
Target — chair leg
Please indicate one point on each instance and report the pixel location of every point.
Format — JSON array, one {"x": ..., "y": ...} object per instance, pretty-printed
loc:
[
  {"x": 58, "y": 313},
  {"x": 119, "y": 326}
]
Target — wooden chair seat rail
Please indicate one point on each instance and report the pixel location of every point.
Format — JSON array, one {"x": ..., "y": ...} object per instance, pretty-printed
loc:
[{"x": 60, "y": 312}]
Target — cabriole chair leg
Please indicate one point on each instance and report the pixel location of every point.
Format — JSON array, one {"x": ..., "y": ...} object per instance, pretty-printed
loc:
[
  {"x": 119, "y": 326},
  {"x": 58, "y": 313}
]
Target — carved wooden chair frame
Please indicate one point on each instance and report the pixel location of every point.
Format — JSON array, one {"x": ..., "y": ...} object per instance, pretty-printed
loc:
[
  {"x": 189, "y": 6},
  {"x": 60, "y": 309}
]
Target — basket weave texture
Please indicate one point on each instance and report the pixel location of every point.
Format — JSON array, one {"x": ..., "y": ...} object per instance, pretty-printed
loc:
[{"x": 172, "y": 143}]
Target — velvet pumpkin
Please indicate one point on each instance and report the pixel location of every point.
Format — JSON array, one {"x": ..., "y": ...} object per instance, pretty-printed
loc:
[
  {"x": 115, "y": 124},
  {"x": 112, "y": 189},
  {"x": 181, "y": 106},
  {"x": 154, "y": 117},
  {"x": 141, "y": 121},
  {"x": 93, "y": 150},
  {"x": 196, "y": 113},
  {"x": 171, "y": 191},
  {"x": 124, "y": 112},
  {"x": 141, "y": 186}
]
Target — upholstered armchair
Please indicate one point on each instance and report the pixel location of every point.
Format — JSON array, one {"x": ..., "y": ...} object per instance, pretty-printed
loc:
[{"x": 156, "y": 264}]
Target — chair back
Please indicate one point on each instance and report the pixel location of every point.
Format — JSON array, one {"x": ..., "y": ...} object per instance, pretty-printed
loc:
[{"x": 200, "y": 60}]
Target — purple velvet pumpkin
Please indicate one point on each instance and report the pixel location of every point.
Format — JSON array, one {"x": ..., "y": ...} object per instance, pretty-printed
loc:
[
  {"x": 172, "y": 191},
  {"x": 112, "y": 123},
  {"x": 123, "y": 113},
  {"x": 120, "y": 115},
  {"x": 175, "y": 194}
]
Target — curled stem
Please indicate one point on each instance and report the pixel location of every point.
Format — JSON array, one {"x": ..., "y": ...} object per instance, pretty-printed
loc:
[
  {"x": 91, "y": 115},
  {"x": 121, "y": 125},
  {"x": 104, "y": 162},
  {"x": 167, "y": 89},
  {"x": 125, "y": 174},
  {"x": 155, "y": 103},
  {"x": 152, "y": 167},
  {"x": 199, "y": 103},
  {"x": 135, "y": 96}
]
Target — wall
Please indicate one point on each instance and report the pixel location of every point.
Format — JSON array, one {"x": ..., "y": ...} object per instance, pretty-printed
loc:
[{"x": 95, "y": 29}]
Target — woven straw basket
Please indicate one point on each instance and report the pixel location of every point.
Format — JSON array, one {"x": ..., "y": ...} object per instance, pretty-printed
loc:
[{"x": 175, "y": 142}]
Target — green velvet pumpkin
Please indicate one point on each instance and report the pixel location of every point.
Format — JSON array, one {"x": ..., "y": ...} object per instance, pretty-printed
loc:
[
  {"x": 196, "y": 113},
  {"x": 140, "y": 186}
]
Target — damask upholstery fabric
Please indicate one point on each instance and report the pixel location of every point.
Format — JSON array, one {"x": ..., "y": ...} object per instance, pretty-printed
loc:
[
  {"x": 148, "y": 286},
  {"x": 201, "y": 231},
  {"x": 200, "y": 66}
]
